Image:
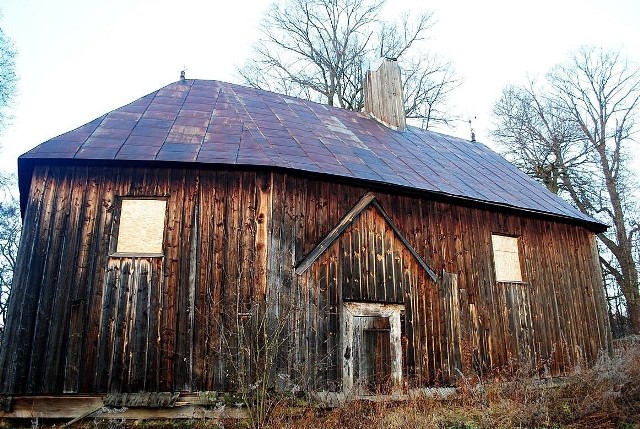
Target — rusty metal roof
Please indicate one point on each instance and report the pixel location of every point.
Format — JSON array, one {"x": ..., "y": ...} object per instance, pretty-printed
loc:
[{"x": 211, "y": 122}]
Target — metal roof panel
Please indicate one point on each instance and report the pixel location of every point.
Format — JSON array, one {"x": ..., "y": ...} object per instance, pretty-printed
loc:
[{"x": 213, "y": 122}]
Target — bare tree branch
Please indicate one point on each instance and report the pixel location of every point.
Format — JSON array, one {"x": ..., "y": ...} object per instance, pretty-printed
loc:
[
  {"x": 572, "y": 134},
  {"x": 320, "y": 50}
]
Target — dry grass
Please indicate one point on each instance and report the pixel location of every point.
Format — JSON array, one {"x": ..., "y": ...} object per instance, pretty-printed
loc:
[{"x": 604, "y": 396}]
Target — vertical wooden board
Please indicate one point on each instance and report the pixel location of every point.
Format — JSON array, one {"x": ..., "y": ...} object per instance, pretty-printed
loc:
[
  {"x": 304, "y": 323},
  {"x": 587, "y": 316},
  {"x": 412, "y": 339},
  {"x": 599, "y": 294},
  {"x": 566, "y": 310},
  {"x": 506, "y": 309},
  {"x": 57, "y": 339},
  {"x": 263, "y": 220},
  {"x": 131, "y": 353},
  {"x": 50, "y": 322},
  {"x": 468, "y": 280},
  {"x": 558, "y": 346},
  {"x": 392, "y": 290},
  {"x": 367, "y": 288},
  {"x": 8, "y": 361},
  {"x": 274, "y": 267},
  {"x": 26, "y": 319},
  {"x": 372, "y": 290},
  {"x": 73, "y": 363},
  {"x": 445, "y": 337},
  {"x": 464, "y": 264},
  {"x": 587, "y": 320},
  {"x": 330, "y": 348},
  {"x": 567, "y": 290},
  {"x": 310, "y": 328},
  {"x": 104, "y": 346},
  {"x": 139, "y": 332},
  {"x": 539, "y": 296},
  {"x": 528, "y": 349},
  {"x": 439, "y": 352},
  {"x": 487, "y": 343},
  {"x": 324, "y": 340},
  {"x": 415, "y": 333},
  {"x": 361, "y": 261},
  {"x": 596, "y": 298},
  {"x": 346, "y": 258},
  {"x": 525, "y": 297},
  {"x": 203, "y": 284},
  {"x": 335, "y": 299},
  {"x": 195, "y": 369},
  {"x": 183, "y": 279},
  {"x": 153, "y": 353},
  {"x": 316, "y": 286},
  {"x": 539, "y": 299},
  {"x": 497, "y": 354},
  {"x": 27, "y": 354},
  {"x": 455, "y": 353},
  {"x": 353, "y": 243},
  {"x": 555, "y": 324},
  {"x": 335, "y": 287},
  {"x": 298, "y": 216},
  {"x": 482, "y": 259},
  {"x": 96, "y": 379},
  {"x": 420, "y": 316},
  {"x": 231, "y": 298},
  {"x": 379, "y": 226},
  {"x": 217, "y": 352},
  {"x": 247, "y": 254},
  {"x": 417, "y": 228},
  {"x": 120, "y": 327},
  {"x": 312, "y": 204},
  {"x": 311, "y": 283},
  {"x": 291, "y": 253},
  {"x": 246, "y": 249},
  {"x": 172, "y": 284}
]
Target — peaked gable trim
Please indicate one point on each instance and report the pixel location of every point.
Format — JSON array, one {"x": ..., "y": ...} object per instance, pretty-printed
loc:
[{"x": 327, "y": 241}]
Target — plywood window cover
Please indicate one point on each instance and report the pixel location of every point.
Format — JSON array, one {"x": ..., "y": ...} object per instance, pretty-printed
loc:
[
  {"x": 506, "y": 258},
  {"x": 141, "y": 226},
  {"x": 362, "y": 309},
  {"x": 363, "y": 203}
]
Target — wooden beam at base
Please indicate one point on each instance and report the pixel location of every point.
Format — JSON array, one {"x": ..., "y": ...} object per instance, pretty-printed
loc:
[
  {"x": 72, "y": 406},
  {"x": 177, "y": 412},
  {"x": 67, "y": 406}
]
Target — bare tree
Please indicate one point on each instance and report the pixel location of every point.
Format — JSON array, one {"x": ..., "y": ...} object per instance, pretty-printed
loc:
[
  {"x": 7, "y": 75},
  {"x": 320, "y": 50},
  {"x": 10, "y": 227},
  {"x": 573, "y": 133},
  {"x": 9, "y": 206}
]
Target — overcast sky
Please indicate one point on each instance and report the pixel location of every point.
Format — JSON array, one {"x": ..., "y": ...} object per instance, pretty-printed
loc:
[{"x": 78, "y": 59}]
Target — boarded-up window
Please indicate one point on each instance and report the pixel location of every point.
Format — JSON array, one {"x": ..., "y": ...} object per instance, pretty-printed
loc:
[
  {"x": 141, "y": 226},
  {"x": 506, "y": 258}
]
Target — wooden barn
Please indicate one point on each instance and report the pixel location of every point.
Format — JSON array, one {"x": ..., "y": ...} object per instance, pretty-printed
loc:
[{"x": 210, "y": 235}]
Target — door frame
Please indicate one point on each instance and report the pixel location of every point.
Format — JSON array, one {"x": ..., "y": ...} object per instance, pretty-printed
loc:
[{"x": 372, "y": 309}]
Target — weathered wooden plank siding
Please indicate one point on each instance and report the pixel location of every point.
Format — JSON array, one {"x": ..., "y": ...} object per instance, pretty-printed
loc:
[{"x": 99, "y": 322}]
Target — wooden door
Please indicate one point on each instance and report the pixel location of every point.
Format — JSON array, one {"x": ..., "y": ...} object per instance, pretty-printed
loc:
[
  {"x": 372, "y": 355},
  {"x": 372, "y": 350}
]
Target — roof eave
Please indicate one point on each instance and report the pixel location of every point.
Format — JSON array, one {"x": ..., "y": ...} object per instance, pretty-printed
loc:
[{"x": 27, "y": 164}]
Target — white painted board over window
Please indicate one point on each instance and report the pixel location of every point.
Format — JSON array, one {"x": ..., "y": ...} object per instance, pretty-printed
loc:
[
  {"x": 506, "y": 258},
  {"x": 141, "y": 226}
]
